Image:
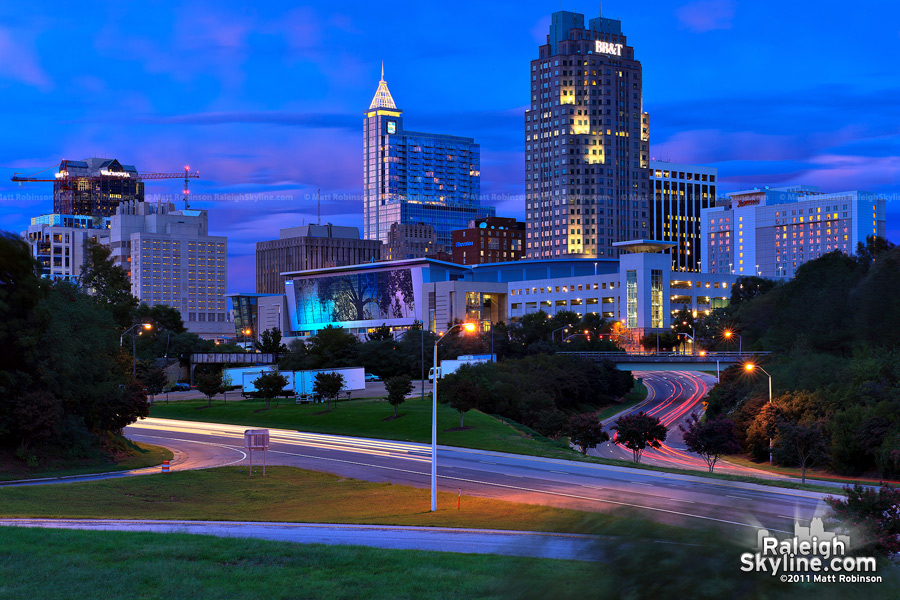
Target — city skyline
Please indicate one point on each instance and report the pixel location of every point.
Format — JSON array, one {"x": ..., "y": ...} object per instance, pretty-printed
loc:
[{"x": 261, "y": 104}]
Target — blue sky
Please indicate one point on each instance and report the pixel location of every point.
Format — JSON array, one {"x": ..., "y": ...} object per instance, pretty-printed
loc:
[{"x": 266, "y": 101}]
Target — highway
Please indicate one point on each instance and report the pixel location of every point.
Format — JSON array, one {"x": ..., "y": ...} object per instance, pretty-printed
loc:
[
  {"x": 672, "y": 397},
  {"x": 677, "y": 499}
]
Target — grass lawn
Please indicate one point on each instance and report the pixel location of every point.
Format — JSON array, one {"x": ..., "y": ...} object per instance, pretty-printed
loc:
[
  {"x": 75, "y": 565},
  {"x": 85, "y": 565},
  {"x": 142, "y": 455},
  {"x": 366, "y": 418},
  {"x": 284, "y": 494},
  {"x": 810, "y": 472},
  {"x": 635, "y": 396}
]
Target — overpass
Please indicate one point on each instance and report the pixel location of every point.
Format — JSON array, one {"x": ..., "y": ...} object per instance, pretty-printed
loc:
[{"x": 671, "y": 361}]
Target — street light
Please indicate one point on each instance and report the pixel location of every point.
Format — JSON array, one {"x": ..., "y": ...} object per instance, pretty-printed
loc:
[
  {"x": 749, "y": 367},
  {"x": 553, "y": 333},
  {"x": 467, "y": 327},
  {"x": 729, "y": 334},
  {"x": 146, "y": 326}
]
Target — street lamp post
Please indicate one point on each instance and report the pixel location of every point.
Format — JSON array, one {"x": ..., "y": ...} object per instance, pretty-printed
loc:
[
  {"x": 467, "y": 327},
  {"x": 147, "y": 326},
  {"x": 750, "y": 367},
  {"x": 553, "y": 333}
]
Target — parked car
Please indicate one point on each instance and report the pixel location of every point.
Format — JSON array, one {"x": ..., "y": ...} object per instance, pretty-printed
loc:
[
  {"x": 372, "y": 377},
  {"x": 181, "y": 387}
]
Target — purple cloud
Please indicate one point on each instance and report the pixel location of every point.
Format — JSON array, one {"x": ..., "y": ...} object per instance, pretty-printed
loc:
[{"x": 706, "y": 15}]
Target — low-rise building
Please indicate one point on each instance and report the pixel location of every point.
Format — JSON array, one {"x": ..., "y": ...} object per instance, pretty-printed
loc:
[{"x": 489, "y": 240}]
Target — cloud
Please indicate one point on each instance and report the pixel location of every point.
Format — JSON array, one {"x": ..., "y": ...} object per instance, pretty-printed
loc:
[
  {"x": 293, "y": 119},
  {"x": 19, "y": 61},
  {"x": 706, "y": 15}
]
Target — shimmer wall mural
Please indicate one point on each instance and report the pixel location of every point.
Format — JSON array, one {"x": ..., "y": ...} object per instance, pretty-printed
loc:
[{"x": 339, "y": 299}]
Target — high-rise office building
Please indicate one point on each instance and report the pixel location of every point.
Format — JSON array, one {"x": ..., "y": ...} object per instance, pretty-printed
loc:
[
  {"x": 770, "y": 232},
  {"x": 414, "y": 177},
  {"x": 95, "y": 186},
  {"x": 586, "y": 142},
  {"x": 172, "y": 260},
  {"x": 310, "y": 247},
  {"x": 680, "y": 192}
]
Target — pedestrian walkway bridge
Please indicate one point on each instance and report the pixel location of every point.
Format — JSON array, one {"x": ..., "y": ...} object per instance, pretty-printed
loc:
[{"x": 672, "y": 361}]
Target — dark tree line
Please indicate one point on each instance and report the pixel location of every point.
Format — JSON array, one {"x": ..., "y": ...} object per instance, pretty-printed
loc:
[
  {"x": 65, "y": 382},
  {"x": 835, "y": 369}
]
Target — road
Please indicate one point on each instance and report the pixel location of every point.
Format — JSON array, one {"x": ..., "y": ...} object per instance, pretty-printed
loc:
[
  {"x": 673, "y": 397},
  {"x": 677, "y": 499}
]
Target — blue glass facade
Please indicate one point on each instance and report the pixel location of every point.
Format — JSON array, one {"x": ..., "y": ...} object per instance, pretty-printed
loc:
[{"x": 414, "y": 177}]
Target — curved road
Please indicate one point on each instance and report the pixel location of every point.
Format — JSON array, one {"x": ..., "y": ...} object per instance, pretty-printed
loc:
[
  {"x": 673, "y": 396},
  {"x": 677, "y": 499}
]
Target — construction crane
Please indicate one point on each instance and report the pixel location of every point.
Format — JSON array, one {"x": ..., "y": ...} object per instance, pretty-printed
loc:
[{"x": 63, "y": 177}]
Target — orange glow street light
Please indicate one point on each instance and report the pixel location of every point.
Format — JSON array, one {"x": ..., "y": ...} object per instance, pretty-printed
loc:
[
  {"x": 435, "y": 375},
  {"x": 728, "y": 334},
  {"x": 749, "y": 367},
  {"x": 147, "y": 326}
]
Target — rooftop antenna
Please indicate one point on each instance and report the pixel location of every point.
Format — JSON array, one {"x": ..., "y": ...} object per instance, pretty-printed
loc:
[{"x": 319, "y": 199}]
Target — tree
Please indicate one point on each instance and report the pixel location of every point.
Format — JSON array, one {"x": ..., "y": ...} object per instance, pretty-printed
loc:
[
  {"x": 108, "y": 283},
  {"x": 270, "y": 384},
  {"x": 270, "y": 343},
  {"x": 297, "y": 357},
  {"x": 873, "y": 516},
  {"x": 329, "y": 386},
  {"x": 332, "y": 347},
  {"x": 210, "y": 384},
  {"x": 710, "y": 439},
  {"x": 636, "y": 432},
  {"x": 398, "y": 388},
  {"x": 586, "y": 432},
  {"x": 154, "y": 380},
  {"x": 804, "y": 442},
  {"x": 380, "y": 334},
  {"x": 460, "y": 394}
]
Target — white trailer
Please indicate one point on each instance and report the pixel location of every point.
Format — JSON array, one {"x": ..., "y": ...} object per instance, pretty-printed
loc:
[
  {"x": 354, "y": 379},
  {"x": 248, "y": 388}
]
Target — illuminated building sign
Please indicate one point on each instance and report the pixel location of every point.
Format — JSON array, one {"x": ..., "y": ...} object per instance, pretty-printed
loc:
[
  {"x": 609, "y": 48},
  {"x": 750, "y": 202},
  {"x": 108, "y": 173},
  {"x": 392, "y": 126},
  {"x": 463, "y": 244}
]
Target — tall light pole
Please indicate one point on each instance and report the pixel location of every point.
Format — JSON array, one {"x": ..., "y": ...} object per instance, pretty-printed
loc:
[
  {"x": 730, "y": 334},
  {"x": 467, "y": 327},
  {"x": 553, "y": 333},
  {"x": 146, "y": 326},
  {"x": 750, "y": 367}
]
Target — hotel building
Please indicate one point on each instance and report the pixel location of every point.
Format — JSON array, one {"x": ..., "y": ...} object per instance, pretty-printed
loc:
[
  {"x": 412, "y": 177},
  {"x": 172, "y": 260},
  {"x": 680, "y": 192},
  {"x": 770, "y": 232},
  {"x": 587, "y": 175},
  {"x": 490, "y": 240}
]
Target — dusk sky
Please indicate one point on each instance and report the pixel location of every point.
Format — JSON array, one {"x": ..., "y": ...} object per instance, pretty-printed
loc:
[{"x": 267, "y": 101}]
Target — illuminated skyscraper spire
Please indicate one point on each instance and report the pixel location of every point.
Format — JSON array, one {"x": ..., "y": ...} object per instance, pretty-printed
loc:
[{"x": 382, "y": 97}]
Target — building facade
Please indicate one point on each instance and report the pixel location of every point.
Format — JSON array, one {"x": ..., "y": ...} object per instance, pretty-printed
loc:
[
  {"x": 414, "y": 177},
  {"x": 489, "y": 240},
  {"x": 638, "y": 288},
  {"x": 172, "y": 260},
  {"x": 680, "y": 192},
  {"x": 310, "y": 247},
  {"x": 770, "y": 232},
  {"x": 57, "y": 242},
  {"x": 95, "y": 187},
  {"x": 587, "y": 142},
  {"x": 410, "y": 240}
]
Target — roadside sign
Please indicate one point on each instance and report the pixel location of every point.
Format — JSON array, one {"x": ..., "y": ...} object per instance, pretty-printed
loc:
[{"x": 256, "y": 439}]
